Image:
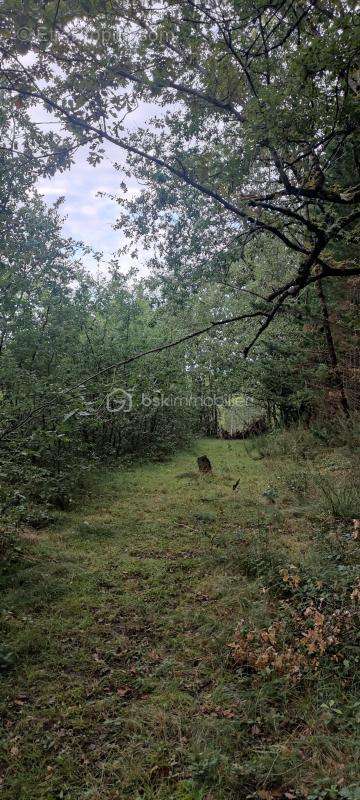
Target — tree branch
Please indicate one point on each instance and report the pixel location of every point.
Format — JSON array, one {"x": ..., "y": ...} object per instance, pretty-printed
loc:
[
  {"x": 181, "y": 88},
  {"x": 79, "y": 122}
]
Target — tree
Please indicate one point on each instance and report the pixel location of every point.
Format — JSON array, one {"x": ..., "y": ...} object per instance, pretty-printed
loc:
[
  {"x": 59, "y": 330},
  {"x": 257, "y": 118}
]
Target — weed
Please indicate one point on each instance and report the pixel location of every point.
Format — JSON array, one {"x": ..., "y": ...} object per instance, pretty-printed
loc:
[
  {"x": 86, "y": 530},
  {"x": 6, "y": 658},
  {"x": 205, "y": 516},
  {"x": 341, "y": 498}
]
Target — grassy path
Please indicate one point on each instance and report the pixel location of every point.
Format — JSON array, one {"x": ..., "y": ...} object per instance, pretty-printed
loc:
[{"x": 124, "y": 685}]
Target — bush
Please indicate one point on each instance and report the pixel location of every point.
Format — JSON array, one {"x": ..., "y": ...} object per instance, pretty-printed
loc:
[{"x": 296, "y": 443}]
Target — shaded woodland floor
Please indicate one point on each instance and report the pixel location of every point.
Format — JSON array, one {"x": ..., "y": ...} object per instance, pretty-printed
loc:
[{"x": 159, "y": 642}]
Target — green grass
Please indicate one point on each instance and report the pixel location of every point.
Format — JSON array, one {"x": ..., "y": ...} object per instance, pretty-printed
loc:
[{"x": 118, "y": 680}]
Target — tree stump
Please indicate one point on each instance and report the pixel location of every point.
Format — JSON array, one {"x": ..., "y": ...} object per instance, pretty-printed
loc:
[{"x": 204, "y": 465}]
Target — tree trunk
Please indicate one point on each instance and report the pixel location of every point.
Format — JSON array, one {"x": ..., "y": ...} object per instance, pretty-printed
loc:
[{"x": 331, "y": 349}]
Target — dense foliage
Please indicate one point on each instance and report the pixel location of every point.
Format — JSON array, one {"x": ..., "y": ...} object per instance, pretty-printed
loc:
[
  {"x": 248, "y": 210},
  {"x": 61, "y": 327}
]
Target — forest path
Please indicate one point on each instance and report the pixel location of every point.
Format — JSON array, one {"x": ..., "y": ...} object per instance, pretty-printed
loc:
[{"x": 120, "y": 622}]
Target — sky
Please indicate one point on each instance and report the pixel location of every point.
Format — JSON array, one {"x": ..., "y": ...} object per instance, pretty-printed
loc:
[{"x": 90, "y": 218}]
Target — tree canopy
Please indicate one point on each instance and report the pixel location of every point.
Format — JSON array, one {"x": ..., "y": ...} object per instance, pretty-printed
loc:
[{"x": 256, "y": 128}]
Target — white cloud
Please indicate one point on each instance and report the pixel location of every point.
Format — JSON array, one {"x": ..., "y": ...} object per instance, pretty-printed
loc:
[
  {"x": 89, "y": 218},
  {"x": 55, "y": 190}
]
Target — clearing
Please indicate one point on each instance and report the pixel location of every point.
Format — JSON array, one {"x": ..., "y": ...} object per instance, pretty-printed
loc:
[{"x": 122, "y": 683}]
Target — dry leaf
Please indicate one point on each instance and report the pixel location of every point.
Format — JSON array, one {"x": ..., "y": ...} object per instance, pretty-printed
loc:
[{"x": 123, "y": 691}]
